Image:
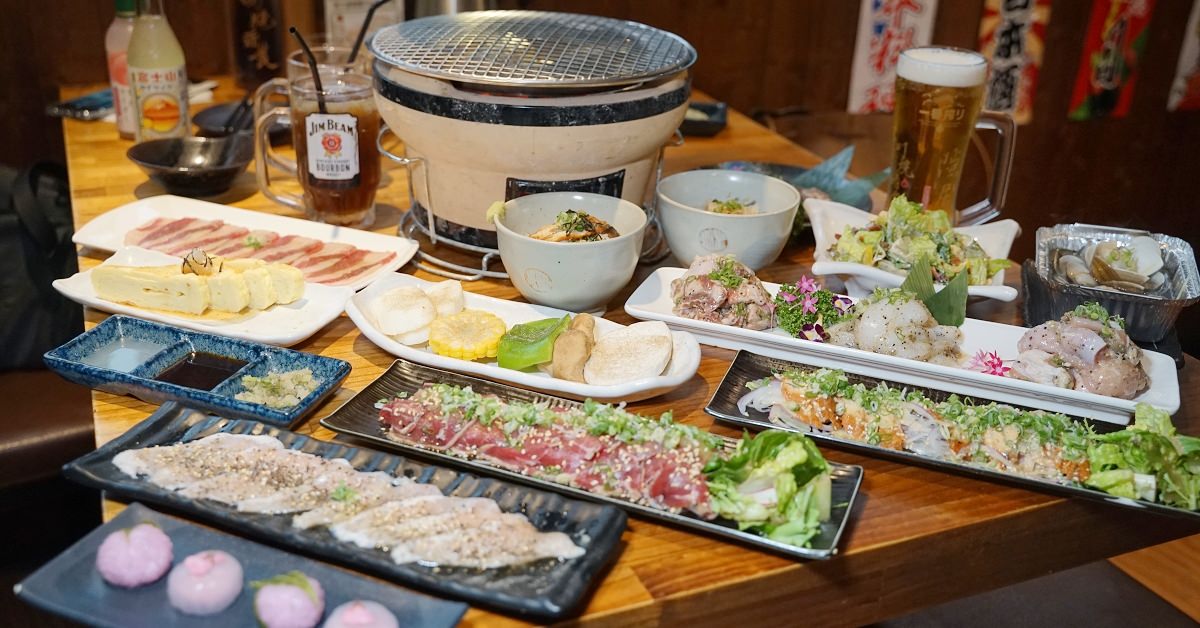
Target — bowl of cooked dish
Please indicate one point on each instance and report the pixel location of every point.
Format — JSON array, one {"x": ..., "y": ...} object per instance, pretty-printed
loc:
[
  {"x": 570, "y": 250},
  {"x": 729, "y": 212}
]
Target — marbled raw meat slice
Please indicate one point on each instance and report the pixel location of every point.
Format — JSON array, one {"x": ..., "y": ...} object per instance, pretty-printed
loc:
[
  {"x": 205, "y": 240},
  {"x": 286, "y": 249},
  {"x": 335, "y": 511},
  {"x": 245, "y": 245},
  {"x": 393, "y": 522},
  {"x": 133, "y": 236},
  {"x": 507, "y": 539},
  {"x": 169, "y": 236},
  {"x": 330, "y": 253},
  {"x": 340, "y": 275}
]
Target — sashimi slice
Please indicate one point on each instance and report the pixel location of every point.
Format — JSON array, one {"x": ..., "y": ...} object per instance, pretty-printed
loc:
[
  {"x": 336, "y": 276},
  {"x": 333, "y": 483},
  {"x": 246, "y": 245},
  {"x": 392, "y": 522},
  {"x": 335, "y": 511},
  {"x": 263, "y": 477},
  {"x": 328, "y": 254},
  {"x": 205, "y": 240},
  {"x": 177, "y": 465},
  {"x": 508, "y": 539}
]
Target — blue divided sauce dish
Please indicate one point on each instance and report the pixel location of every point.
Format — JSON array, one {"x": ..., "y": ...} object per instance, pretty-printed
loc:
[{"x": 130, "y": 356}]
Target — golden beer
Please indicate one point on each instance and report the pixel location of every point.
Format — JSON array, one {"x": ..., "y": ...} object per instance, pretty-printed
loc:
[{"x": 939, "y": 93}]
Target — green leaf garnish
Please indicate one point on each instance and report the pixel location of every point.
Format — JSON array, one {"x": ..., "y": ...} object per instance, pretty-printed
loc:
[{"x": 726, "y": 273}]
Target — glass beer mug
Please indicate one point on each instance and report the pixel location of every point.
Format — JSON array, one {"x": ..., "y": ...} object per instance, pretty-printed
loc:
[{"x": 939, "y": 95}]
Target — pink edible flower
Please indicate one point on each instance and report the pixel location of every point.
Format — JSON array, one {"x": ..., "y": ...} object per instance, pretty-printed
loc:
[
  {"x": 809, "y": 306},
  {"x": 807, "y": 284},
  {"x": 988, "y": 362},
  {"x": 787, "y": 296}
]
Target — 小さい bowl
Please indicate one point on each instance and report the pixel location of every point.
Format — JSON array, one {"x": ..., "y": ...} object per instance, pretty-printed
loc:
[
  {"x": 575, "y": 276},
  {"x": 754, "y": 239}
]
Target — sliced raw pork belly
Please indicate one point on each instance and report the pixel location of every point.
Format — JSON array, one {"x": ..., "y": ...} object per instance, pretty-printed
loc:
[
  {"x": 205, "y": 240},
  {"x": 134, "y": 236},
  {"x": 346, "y": 271},
  {"x": 287, "y": 249},
  {"x": 328, "y": 254},
  {"x": 246, "y": 245},
  {"x": 167, "y": 236}
]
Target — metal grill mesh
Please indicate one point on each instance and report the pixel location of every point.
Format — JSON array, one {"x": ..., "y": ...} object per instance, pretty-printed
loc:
[{"x": 532, "y": 48}]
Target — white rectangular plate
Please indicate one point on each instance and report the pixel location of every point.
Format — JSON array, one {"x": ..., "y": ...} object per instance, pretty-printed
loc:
[
  {"x": 282, "y": 325},
  {"x": 106, "y": 232},
  {"x": 828, "y": 219},
  {"x": 652, "y": 301},
  {"x": 685, "y": 358}
]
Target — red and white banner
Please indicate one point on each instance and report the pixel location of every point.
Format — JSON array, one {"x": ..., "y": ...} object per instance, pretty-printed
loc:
[
  {"x": 1116, "y": 39},
  {"x": 885, "y": 27},
  {"x": 1012, "y": 35},
  {"x": 1185, "y": 91}
]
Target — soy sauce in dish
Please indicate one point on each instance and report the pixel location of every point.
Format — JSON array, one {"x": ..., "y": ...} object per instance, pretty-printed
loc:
[{"x": 201, "y": 370}]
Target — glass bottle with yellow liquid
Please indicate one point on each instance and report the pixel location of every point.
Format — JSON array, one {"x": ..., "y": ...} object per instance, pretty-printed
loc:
[{"x": 158, "y": 75}]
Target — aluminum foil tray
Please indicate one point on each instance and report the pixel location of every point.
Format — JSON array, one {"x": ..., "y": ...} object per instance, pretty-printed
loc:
[{"x": 1148, "y": 317}]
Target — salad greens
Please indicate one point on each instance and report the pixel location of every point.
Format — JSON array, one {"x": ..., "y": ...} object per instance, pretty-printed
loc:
[
  {"x": 1146, "y": 459},
  {"x": 905, "y": 233},
  {"x": 775, "y": 483}
]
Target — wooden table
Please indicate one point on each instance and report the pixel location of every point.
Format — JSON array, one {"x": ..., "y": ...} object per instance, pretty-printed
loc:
[{"x": 917, "y": 538}]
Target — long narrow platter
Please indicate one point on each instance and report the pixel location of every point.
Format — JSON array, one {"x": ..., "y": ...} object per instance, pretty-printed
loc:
[
  {"x": 685, "y": 358},
  {"x": 652, "y": 301},
  {"x": 107, "y": 231},
  {"x": 748, "y": 367},
  {"x": 358, "y": 417},
  {"x": 546, "y": 590},
  {"x": 69, "y": 584}
]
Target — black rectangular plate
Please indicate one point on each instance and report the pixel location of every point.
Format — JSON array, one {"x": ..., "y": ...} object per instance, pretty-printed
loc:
[
  {"x": 748, "y": 367},
  {"x": 544, "y": 590},
  {"x": 69, "y": 584},
  {"x": 717, "y": 113},
  {"x": 358, "y": 417}
]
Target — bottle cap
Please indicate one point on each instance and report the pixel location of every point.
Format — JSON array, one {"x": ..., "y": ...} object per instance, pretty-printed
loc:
[{"x": 127, "y": 8}]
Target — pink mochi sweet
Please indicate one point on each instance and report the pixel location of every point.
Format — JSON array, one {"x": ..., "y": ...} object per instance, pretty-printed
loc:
[
  {"x": 361, "y": 614},
  {"x": 290, "y": 600},
  {"x": 205, "y": 583},
  {"x": 134, "y": 556}
]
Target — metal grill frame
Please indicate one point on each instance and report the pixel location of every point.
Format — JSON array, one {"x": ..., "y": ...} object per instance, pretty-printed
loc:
[{"x": 562, "y": 49}]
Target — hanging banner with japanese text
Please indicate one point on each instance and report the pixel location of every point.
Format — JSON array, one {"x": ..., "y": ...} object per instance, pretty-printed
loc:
[
  {"x": 1185, "y": 90},
  {"x": 885, "y": 27},
  {"x": 1012, "y": 35},
  {"x": 1115, "y": 40}
]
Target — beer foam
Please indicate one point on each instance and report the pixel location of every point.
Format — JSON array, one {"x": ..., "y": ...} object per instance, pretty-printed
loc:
[{"x": 947, "y": 67}]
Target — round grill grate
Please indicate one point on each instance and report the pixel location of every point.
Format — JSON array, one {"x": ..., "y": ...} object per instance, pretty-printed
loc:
[{"x": 532, "y": 48}]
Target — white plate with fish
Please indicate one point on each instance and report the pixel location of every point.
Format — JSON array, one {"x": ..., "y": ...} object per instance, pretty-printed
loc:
[
  {"x": 830, "y": 219},
  {"x": 281, "y": 325},
  {"x": 327, "y": 254},
  {"x": 683, "y": 362},
  {"x": 652, "y": 301}
]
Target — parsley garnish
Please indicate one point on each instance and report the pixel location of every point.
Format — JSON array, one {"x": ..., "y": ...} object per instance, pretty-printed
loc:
[
  {"x": 572, "y": 221},
  {"x": 343, "y": 493},
  {"x": 253, "y": 242}
]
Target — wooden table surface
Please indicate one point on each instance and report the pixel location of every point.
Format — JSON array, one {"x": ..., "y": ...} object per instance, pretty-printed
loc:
[{"x": 917, "y": 537}]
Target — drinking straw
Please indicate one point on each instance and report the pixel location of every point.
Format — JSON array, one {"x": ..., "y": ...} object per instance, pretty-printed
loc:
[
  {"x": 362, "y": 32},
  {"x": 312, "y": 65}
]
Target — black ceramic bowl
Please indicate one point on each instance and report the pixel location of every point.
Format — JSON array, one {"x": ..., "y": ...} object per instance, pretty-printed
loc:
[
  {"x": 211, "y": 123},
  {"x": 194, "y": 166}
]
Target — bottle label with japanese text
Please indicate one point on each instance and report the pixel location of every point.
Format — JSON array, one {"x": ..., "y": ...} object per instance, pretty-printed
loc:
[
  {"x": 122, "y": 93},
  {"x": 332, "y": 142},
  {"x": 161, "y": 95}
]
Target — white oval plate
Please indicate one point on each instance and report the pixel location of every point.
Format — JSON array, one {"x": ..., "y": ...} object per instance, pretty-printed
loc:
[
  {"x": 829, "y": 219},
  {"x": 281, "y": 325},
  {"x": 685, "y": 358},
  {"x": 652, "y": 301},
  {"x": 106, "y": 232}
]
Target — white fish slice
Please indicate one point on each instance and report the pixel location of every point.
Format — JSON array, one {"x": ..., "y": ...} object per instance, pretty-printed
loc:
[
  {"x": 336, "y": 511},
  {"x": 508, "y": 539}
]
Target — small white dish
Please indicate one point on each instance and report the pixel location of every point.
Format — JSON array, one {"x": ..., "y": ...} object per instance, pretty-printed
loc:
[
  {"x": 685, "y": 358},
  {"x": 106, "y": 232},
  {"x": 755, "y": 239},
  {"x": 574, "y": 276},
  {"x": 652, "y": 301},
  {"x": 830, "y": 219},
  {"x": 280, "y": 325}
]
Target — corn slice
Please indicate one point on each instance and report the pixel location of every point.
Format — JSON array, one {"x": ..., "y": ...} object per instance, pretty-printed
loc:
[{"x": 467, "y": 335}]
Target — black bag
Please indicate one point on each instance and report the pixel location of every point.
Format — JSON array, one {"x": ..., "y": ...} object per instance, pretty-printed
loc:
[{"x": 36, "y": 227}]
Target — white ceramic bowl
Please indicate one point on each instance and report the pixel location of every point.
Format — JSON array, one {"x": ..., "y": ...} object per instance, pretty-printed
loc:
[
  {"x": 575, "y": 276},
  {"x": 755, "y": 239},
  {"x": 830, "y": 219}
]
